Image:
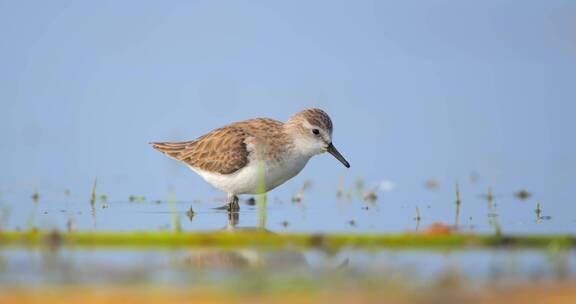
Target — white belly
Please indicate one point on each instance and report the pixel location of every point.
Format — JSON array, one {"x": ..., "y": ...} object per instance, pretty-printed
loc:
[{"x": 249, "y": 180}]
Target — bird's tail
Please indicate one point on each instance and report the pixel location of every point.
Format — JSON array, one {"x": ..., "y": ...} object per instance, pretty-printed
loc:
[{"x": 172, "y": 149}]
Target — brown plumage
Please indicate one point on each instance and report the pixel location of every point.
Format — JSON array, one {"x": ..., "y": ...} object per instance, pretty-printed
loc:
[
  {"x": 256, "y": 155},
  {"x": 228, "y": 149},
  {"x": 317, "y": 118}
]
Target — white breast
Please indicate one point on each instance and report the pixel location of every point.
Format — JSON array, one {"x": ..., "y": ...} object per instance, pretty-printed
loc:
[{"x": 248, "y": 180}]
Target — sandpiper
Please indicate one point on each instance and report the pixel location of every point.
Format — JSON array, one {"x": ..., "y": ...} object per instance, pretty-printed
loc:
[{"x": 255, "y": 155}]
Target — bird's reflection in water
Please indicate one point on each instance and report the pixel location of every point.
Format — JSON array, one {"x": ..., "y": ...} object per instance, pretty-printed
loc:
[
  {"x": 245, "y": 258},
  {"x": 233, "y": 218}
]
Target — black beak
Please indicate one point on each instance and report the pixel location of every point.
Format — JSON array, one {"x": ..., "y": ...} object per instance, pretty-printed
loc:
[{"x": 332, "y": 150}]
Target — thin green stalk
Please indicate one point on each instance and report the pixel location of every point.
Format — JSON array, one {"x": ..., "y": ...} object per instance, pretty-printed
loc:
[
  {"x": 458, "y": 203},
  {"x": 176, "y": 225},
  {"x": 261, "y": 190}
]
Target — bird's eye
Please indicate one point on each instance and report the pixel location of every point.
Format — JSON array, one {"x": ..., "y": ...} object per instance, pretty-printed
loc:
[{"x": 316, "y": 131}]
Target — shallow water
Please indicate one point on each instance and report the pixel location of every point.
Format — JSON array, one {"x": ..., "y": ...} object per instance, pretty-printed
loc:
[
  {"x": 317, "y": 211},
  {"x": 266, "y": 269},
  {"x": 269, "y": 269}
]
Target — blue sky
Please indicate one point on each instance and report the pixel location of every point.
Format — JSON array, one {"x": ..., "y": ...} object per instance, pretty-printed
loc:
[{"x": 416, "y": 89}]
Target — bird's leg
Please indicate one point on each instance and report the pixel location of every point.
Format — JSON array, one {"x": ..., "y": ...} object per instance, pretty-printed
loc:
[
  {"x": 232, "y": 220},
  {"x": 233, "y": 203}
]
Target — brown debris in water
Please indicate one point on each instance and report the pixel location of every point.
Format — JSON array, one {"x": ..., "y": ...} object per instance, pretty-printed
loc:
[
  {"x": 523, "y": 195},
  {"x": 439, "y": 229},
  {"x": 432, "y": 184}
]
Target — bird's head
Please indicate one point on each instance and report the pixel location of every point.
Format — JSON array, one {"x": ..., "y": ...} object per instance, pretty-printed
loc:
[{"x": 311, "y": 130}]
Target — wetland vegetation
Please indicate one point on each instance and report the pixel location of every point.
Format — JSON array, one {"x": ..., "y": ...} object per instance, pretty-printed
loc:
[{"x": 271, "y": 254}]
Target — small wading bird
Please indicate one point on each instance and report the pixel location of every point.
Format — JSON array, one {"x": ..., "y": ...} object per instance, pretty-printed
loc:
[{"x": 255, "y": 155}]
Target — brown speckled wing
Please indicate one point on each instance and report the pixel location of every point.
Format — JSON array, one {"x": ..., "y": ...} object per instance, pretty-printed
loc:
[{"x": 222, "y": 150}]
